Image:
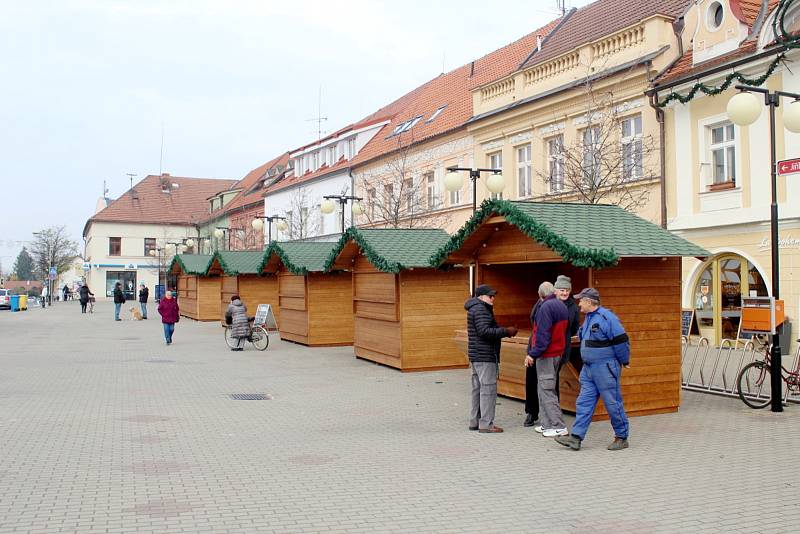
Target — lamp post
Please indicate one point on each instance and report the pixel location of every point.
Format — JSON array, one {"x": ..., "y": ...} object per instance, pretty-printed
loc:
[
  {"x": 744, "y": 109},
  {"x": 495, "y": 183},
  {"x": 157, "y": 252},
  {"x": 258, "y": 224},
  {"x": 328, "y": 205}
]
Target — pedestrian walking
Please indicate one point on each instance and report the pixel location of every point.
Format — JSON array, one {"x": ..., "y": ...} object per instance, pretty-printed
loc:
[
  {"x": 65, "y": 291},
  {"x": 545, "y": 349},
  {"x": 240, "y": 329},
  {"x": 605, "y": 349},
  {"x": 485, "y": 336},
  {"x": 119, "y": 300},
  {"x": 170, "y": 314},
  {"x": 144, "y": 293},
  {"x": 45, "y": 293},
  {"x": 563, "y": 287},
  {"x": 84, "y": 293}
]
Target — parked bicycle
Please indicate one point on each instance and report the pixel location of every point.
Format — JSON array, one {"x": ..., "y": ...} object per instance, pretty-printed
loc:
[
  {"x": 257, "y": 336},
  {"x": 754, "y": 382}
]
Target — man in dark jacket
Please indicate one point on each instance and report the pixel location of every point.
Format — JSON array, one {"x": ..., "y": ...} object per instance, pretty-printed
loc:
[
  {"x": 545, "y": 349},
  {"x": 143, "y": 294},
  {"x": 119, "y": 300},
  {"x": 563, "y": 287},
  {"x": 484, "y": 357}
]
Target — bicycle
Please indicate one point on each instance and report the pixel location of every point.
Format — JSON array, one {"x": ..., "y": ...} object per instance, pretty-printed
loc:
[
  {"x": 754, "y": 383},
  {"x": 258, "y": 336}
]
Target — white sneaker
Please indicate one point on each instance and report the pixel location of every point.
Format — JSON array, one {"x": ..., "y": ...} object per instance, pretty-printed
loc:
[
  {"x": 553, "y": 432},
  {"x": 538, "y": 428}
]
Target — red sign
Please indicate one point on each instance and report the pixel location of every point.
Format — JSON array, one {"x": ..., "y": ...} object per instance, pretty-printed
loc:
[{"x": 789, "y": 166}]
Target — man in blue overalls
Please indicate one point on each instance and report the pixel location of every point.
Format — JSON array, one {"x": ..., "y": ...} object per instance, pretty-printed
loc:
[{"x": 605, "y": 349}]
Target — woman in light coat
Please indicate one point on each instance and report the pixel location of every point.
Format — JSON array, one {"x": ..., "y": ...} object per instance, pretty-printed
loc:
[{"x": 240, "y": 330}]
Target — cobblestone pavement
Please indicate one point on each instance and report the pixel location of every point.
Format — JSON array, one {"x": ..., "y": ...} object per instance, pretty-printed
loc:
[{"x": 103, "y": 428}]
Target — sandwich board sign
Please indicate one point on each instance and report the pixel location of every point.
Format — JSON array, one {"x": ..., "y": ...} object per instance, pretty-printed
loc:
[{"x": 265, "y": 318}]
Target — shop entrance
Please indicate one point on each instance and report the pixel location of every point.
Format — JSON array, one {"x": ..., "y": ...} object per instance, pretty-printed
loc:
[{"x": 718, "y": 292}]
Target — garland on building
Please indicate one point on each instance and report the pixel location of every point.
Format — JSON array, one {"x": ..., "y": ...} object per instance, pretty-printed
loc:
[
  {"x": 275, "y": 248},
  {"x": 783, "y": 39},
  {"x": 381, "y": 263},
  {"x": 577, "y": 256}
]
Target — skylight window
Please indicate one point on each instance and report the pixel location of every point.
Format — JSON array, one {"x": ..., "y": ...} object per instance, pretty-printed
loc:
[{"x": 436, "y": 113}]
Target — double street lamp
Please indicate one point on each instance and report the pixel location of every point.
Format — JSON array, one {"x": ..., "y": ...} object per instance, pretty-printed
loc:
[
  {"x": 495, "y": 183},
  {"x": 328, "y": 205},
  {"x": 170, "y": 247},
  {"x": 258, "y": 224},
  {"x": 744, "y": 109}
]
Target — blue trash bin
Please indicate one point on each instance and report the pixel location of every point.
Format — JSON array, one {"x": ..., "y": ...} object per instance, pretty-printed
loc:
[{"x": 14, "y": 302}]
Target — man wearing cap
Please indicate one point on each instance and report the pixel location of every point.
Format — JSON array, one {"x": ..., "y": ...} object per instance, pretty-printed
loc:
[
  {"x": 563, "y": 287},
  {"x": 605, "y": 349},
  {"x": 485, "y": 336}
]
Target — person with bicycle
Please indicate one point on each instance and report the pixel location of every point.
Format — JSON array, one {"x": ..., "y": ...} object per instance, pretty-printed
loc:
[
  {"x": 84, "y": 293},
  {"x": 240, "y": 327},
  {"x": 605, "y": 350}
]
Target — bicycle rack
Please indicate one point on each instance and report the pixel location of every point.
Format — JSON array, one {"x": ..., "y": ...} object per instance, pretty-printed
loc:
[{"x": 703, "y": 345}]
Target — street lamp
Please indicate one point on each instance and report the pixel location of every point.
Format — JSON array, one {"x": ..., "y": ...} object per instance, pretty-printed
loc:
[
  {"x": 258, "y": 224},
  {"x": 219, "y": 233},
  {"x": 494, "y": 183},
  {"x": 328, "y": 205},
  {"x": 744, "y": 109}
]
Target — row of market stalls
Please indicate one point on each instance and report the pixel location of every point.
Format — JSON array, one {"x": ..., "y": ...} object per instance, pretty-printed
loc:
[{"x": 397, "y": 295}]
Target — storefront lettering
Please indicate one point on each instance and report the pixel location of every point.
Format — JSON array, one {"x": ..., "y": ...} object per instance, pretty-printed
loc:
[{"x": 786, "y": 242}]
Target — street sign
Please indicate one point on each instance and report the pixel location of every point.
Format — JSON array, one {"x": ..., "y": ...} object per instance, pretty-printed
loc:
[
  {"x": 789, "y": 166},
  {"x": 53, "y": 273}
]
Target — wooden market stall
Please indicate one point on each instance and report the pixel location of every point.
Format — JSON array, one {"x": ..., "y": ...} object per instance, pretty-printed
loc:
[
  {"x": 634, "y": 264},
  {"x": 198, "y": 294},
  {"x": 315, "y": 306},
  {"x": 240, "y": 273},
  {"x": 401, "y": 304}
]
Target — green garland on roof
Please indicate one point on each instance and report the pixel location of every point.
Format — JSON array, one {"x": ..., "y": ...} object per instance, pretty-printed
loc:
[
  {"x": 374, "y": 258},
  {"x": 228, "y": 270},
  {"x": 179, "y": 260},
  {"x": 577, "y": 256},
  {"x": 275, "y": 248},
  {"x": 729, "y": 79}
]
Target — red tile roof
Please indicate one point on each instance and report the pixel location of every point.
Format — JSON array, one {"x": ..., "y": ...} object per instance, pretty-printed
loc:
[
  {"x": 250, "y": 193},
  {"x": 146, "y": 202},
  {"x": 602, "y": 18}
]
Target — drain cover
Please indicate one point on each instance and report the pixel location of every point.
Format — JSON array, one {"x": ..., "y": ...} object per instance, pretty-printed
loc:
[{"x": 250, "y": 396}]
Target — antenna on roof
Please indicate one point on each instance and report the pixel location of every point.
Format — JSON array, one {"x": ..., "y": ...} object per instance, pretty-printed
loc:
[
  {"x": 105, "y": 189},
  {"x": 161, "y": 157},
  {"x": 131, "y": 176},
  {"x": 319, "y": 118},
  {"x": 561, "y": 5}
]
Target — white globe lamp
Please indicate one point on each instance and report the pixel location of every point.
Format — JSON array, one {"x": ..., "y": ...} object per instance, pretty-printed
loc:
[
  {"x": 152, "y": 252},
  {"x": 257, "y": 225},
  {"x": 190, "y": 242},
  {"x": 358, "y": 209},
  {"x": 495, "y": 183},
  {"x": 282, "y": 226},
  {"x": 791, "y": 117},
  {"x": 327, "y": 207},
  {"x": 219, "y": 233},
  {"x": 744, "y": 109},
  {"x": 454, "y": 181}
]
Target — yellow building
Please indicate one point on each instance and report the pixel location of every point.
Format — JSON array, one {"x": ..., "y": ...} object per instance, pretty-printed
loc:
[{"x": 718, "y": 173}]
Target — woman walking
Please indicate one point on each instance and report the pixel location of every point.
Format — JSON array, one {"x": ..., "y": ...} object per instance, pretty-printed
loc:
[
  {"x": 168, "y": 309},
  {"x": 84, "y": 294},
  {"x": 237, "y": 311}
]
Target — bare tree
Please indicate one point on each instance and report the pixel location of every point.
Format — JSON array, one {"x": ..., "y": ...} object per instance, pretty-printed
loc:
[
  {"x": 396, "y": 193},
  {"x": 302, "y": 220},
  {"x": 608, "y": 159},
  {"x": 52, "y": 247}
]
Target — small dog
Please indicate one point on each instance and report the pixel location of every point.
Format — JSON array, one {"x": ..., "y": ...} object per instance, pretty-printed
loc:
[{"x": 136, "y": 315}]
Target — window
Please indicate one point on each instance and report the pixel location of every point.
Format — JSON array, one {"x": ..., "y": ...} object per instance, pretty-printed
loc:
[
  {"x": 372, "y": 195},
  {"x": 321, "y": 222},
  {"x": 715, "y": 15},
  {"x": 436, "y": 113},
  {"x": 127, "y": 280},
  {"x": 289, "y": 228},
  {"x": 114, "y": 246},
  {"x": 315, "y": 161},
  {"x": 591, "y": 156},
  {"x": 555, "y": 162},
  {"x": 149, "y": 244},
  {"x": 524, "y": 182},
  {"x": 455, "y": 197},
  {"x": 351, "y": 148},
  {"x": 332, "y": 155},
  {"x": 723, "y": 154},
  {"x": 432, "y": 190},
  {"x": 410, "y": 195},
  {"x": 496, "y": 162},
  {"x": 632, "y": 148},
  {"x": 388, "y": 199}
]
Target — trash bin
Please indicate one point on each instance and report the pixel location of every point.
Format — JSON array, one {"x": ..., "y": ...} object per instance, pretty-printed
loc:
[
  {"x": 159, "y": 292},
  {"x": 14, "y": 303},
  {"x": 23, "y": 302}
]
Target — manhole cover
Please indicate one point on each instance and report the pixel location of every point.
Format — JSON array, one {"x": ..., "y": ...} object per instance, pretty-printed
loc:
[
  {"x": 160, "y": 361},
  {"x": 250, "y": 396}
]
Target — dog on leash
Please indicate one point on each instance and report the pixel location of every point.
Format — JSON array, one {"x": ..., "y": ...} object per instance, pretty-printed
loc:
[{"x": 136, "y": 315}]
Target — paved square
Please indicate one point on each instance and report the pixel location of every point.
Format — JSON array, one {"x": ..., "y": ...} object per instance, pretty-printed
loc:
[{"x": 103, "y": 428}]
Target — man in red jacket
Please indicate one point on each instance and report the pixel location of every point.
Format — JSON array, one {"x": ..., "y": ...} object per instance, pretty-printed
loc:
[{"x": 545, "y": 348}]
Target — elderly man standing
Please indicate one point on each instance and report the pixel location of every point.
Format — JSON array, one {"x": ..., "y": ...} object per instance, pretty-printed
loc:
[
  {"x": 485, "y": 336},
  {"x": 563, "y": 287},
  {"x": 545, "y": 348},
  {"x": 605, "y": 349}
]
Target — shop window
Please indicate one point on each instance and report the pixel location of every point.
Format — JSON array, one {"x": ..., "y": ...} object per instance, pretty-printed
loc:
[{"x": 126, "y": 278}]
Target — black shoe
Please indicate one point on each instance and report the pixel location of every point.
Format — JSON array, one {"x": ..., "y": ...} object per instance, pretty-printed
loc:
[
  {"x": 530, "y": 420},
  {"x": 117, "y": 319}
]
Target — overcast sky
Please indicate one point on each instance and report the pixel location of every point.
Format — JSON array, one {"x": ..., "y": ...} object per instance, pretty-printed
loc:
[{"x": 88, "y": 84}]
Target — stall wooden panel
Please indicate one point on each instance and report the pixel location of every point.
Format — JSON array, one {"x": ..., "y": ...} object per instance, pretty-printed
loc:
[
  {"x": 292, "y": 297},
  {"x": 255, "y": 290},
  {"x": 208, "y": 291},
  {"x": 432, "y": 308},
  {"x": 508, "y": 245},
  {"x": 187, "y": 296},
  {"x": 330, "y": 308},
  {"x": 228, "y": 288},
  {"x": 378, "y": 341},
  {"x": 375, "y": 314}
]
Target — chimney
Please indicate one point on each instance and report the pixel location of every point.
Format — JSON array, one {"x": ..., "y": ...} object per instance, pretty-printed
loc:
[
  {"x": 165, "y": 183},
  {"x": 538, "y": 43}
]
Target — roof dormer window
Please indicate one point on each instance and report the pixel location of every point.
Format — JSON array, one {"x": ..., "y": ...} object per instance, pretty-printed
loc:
[
  {"x": 436, "y": 113},
  {"x": 715, "y": 16}
]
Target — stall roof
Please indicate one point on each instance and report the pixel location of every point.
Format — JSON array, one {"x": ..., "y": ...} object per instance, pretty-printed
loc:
[
  {"x": 389, "y": 249},
  {"x": 585, "y": 235},
  {"x": 236, "y": 262},
  {"x": 299, "y": 257},
  {"x": 196, "y": 264}
]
